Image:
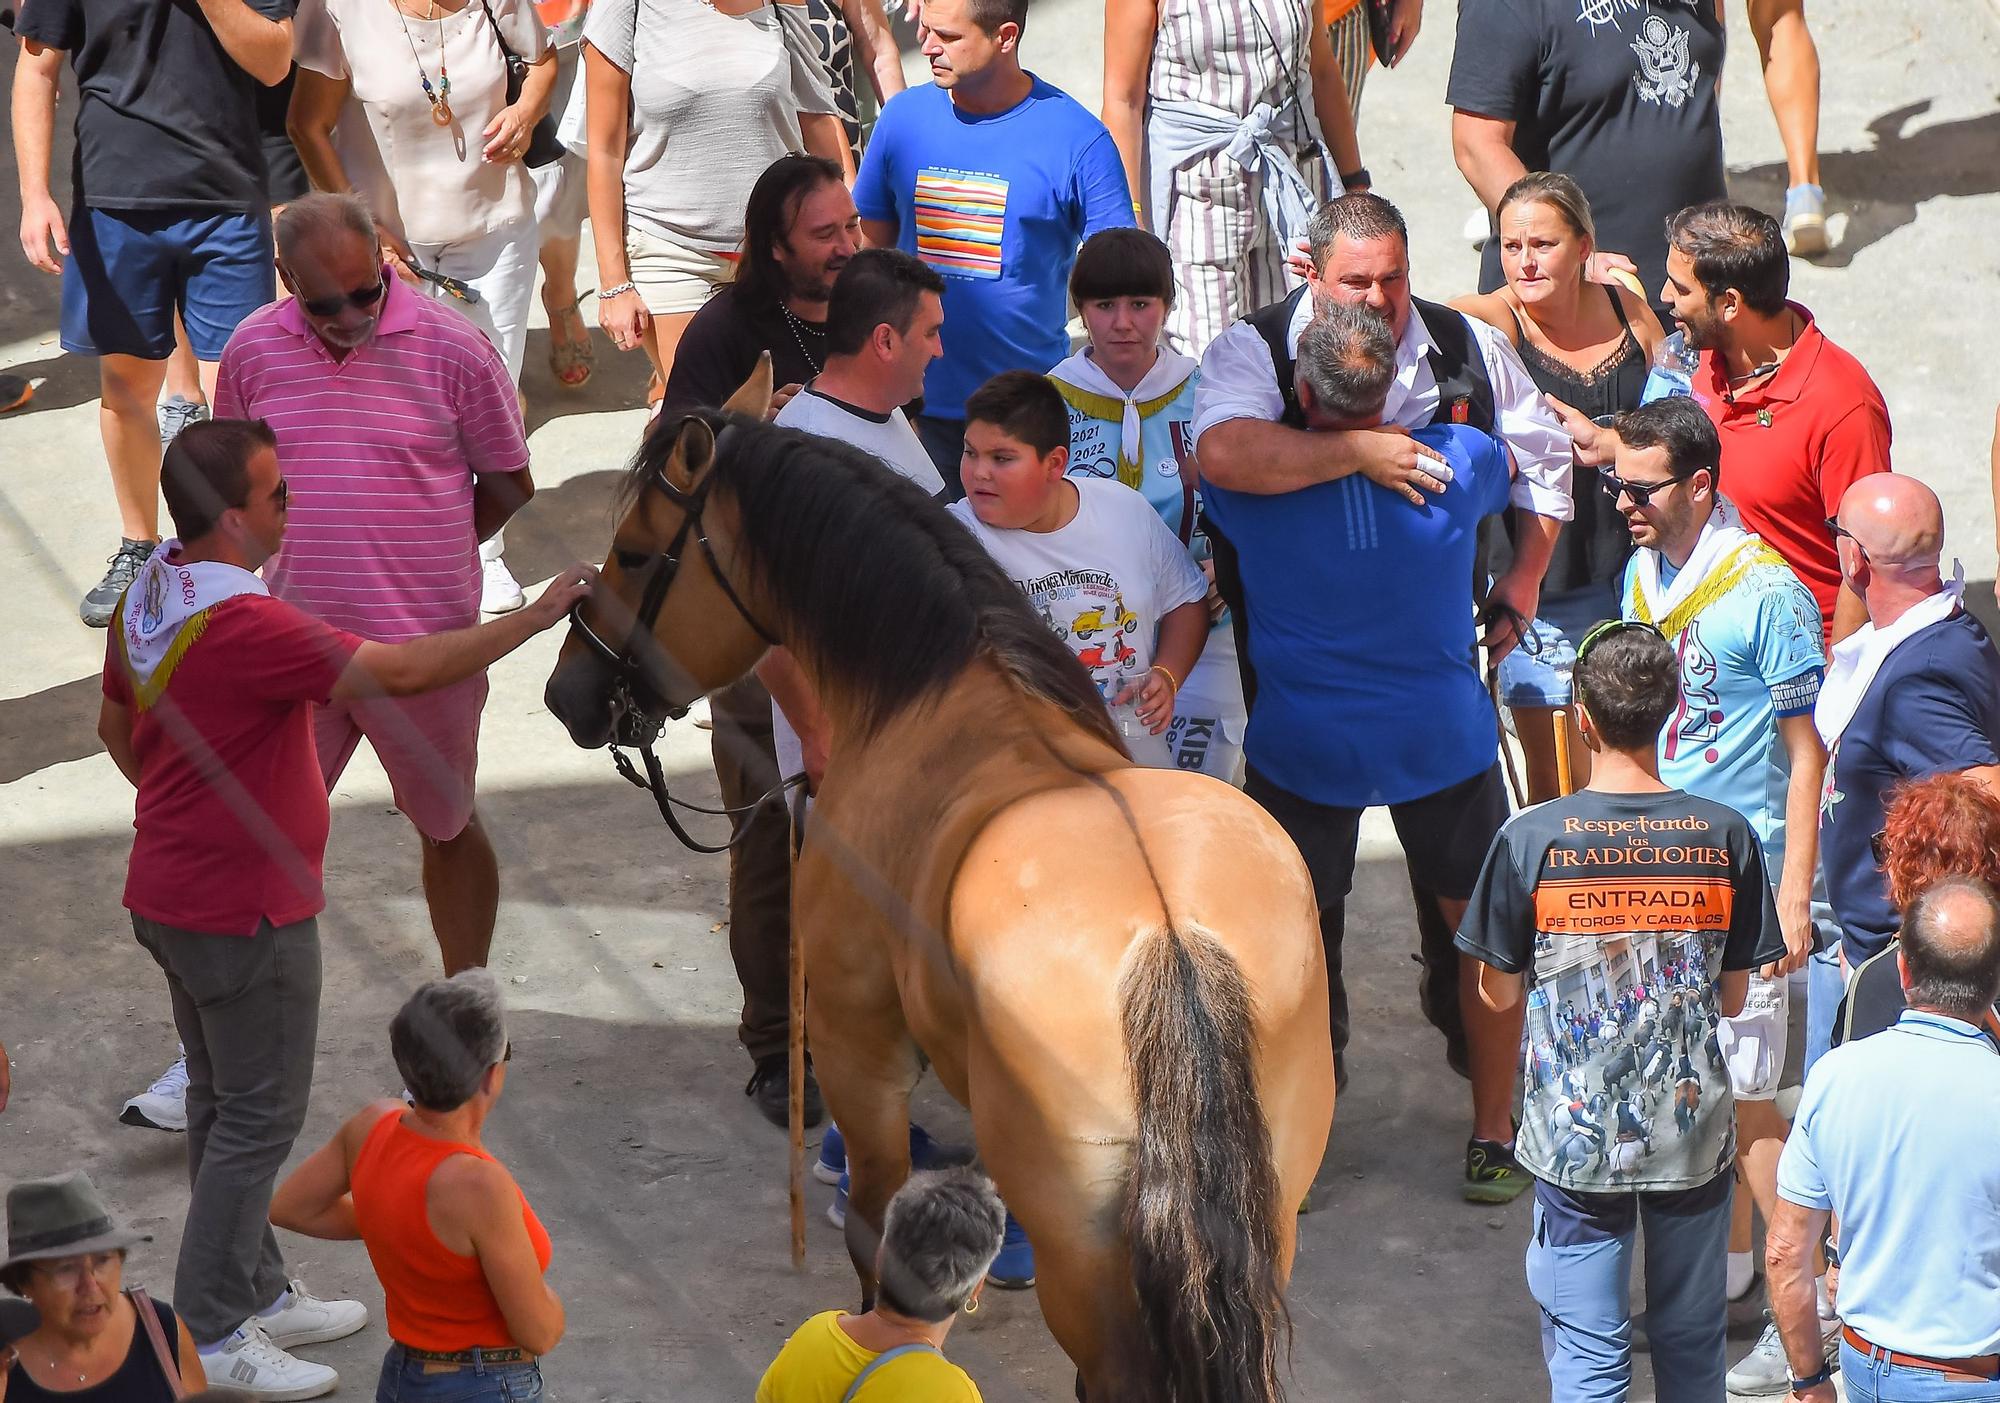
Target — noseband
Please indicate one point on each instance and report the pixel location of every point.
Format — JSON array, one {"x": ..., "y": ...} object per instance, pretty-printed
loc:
[{"x": 633, "y": 726}]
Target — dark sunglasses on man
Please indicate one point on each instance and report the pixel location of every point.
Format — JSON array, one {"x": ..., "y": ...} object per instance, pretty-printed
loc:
[
  {"x": 1641, "y": 493},
  {"x": 361, "y": 298}
]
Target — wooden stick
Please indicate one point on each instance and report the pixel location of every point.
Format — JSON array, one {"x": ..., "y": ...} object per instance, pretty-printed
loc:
[
  {"x": 1565, "y": 783},
  {"x": 796, "y": 1098}
]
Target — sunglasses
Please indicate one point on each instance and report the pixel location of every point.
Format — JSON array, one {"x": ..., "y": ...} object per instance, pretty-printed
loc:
[
  {"x": 1836, "y": 530},
  {"x": 1641, "y": 493},
  {"x": 1878, "y": 846},
  {"x": 333, "y": 306},
  {"x": 1610, "y": 627}
]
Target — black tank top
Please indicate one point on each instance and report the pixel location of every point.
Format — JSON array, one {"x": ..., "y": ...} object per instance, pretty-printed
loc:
[
  {"x": 138, "y": 1379},
  {"x": 1593, "y": 547}
]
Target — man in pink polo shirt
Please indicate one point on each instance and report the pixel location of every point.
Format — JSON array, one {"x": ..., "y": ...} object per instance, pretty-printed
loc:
[
  {"x": 400, "y": 434},
  {"x": 209, "y": 688}
]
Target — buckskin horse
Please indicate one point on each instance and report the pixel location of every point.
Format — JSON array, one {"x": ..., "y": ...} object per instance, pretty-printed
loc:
[{"x": 1117, "y": 970}]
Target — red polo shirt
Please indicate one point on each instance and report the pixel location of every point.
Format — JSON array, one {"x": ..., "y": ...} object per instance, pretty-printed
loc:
[
  {"x": 231, "y": 816},
  {"x": 1793, "y": 445}
]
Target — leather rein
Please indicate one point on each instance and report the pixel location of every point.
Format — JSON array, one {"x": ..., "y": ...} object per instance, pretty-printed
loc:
[{"x": 636, "y": 728}]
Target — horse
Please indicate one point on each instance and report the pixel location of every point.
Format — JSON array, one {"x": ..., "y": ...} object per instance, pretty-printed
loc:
[
  {"x": 1687, "y": 1093},
  {"x": 1577, "y": 1134},
  {"x": 1144, "y": 1054}
]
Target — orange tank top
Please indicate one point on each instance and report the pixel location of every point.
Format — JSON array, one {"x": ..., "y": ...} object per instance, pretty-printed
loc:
[{"x": 436, "y": 1299}]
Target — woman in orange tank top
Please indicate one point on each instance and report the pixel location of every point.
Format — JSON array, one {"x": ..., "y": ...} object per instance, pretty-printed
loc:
[{"x": 459, "y": 1252}]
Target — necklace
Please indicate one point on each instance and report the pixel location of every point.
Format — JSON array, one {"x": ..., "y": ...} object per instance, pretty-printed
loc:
[
  {"x": 439, "y": 97},
  {"x": 797, "y": 328},
  {"x": 58, "y": 1368}
]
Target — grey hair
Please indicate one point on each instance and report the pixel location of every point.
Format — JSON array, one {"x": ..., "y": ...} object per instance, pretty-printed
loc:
[
  {"x": 311, "y": 218},
  {"x": 1951, "y": 948},
  {"x": 446, "y": 1035},
  {"x": 1362, "y": 216},
  {"x": 1347, "y": 357},
  {"x": 942, "y": 1231}
]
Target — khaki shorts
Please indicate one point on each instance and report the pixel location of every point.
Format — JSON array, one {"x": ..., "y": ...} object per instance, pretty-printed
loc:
[
  {"x": 1753, "y": 1042},
  {"x": 673, "y": 280}
]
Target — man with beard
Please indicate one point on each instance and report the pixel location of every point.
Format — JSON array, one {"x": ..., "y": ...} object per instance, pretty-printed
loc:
[
  {"x": 1799, "y": 417},
  {"x": 799, "y": 230}
]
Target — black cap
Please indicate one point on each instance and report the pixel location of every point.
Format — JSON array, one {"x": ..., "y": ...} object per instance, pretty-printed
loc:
[{"x": 17, "y": 1319}]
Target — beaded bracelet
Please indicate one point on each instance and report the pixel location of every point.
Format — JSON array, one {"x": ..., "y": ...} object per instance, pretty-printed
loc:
[{"x": 618, "y": 291}]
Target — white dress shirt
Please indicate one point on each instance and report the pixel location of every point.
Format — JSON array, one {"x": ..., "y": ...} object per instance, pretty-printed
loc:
[{"x": 1238, "y": 382}]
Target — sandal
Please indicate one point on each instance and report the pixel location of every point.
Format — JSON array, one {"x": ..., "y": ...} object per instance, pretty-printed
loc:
[{"x": 572, "y": 361}]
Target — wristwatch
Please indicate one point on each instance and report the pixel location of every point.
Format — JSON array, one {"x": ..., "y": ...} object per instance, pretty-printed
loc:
[
  {"x": 1814, "y": 1380},
  {"x": 1350, "y": 179}
]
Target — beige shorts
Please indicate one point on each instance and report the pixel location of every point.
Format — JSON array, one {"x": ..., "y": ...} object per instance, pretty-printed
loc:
[
  {"x": 1753, "y": 1042},
  {"x": 673, "y": 280}
]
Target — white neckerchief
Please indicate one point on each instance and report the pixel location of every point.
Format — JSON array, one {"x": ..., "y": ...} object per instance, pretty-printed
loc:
[
  {"x": 1721, "y": 535},
  {"x": 1168, "y": 374},
  {"x": 163, "y": 612},
  {"x": 1860, "y": 655}
]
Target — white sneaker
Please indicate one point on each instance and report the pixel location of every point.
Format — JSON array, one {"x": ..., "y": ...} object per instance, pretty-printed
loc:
[
  {"x": 499, "y": 591},
  {"x": 307, "y": 1320},
  {"x": 163, "y": 1105},
  {"x": 1763, "y": 1372},
  {"x": 1478, "y": 228},
  {"x": 249, "y": 1362}
]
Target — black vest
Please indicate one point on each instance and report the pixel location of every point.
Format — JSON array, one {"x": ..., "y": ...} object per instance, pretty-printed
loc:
[{"x": 1465, "y": 396}]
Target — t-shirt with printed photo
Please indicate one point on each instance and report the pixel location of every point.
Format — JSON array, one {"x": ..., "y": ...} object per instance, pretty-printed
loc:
[
  {"x": 1624, "y": 910},
  {"x": 1103, "y": 582}
]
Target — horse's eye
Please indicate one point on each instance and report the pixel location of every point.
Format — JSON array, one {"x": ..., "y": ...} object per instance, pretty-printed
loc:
[{"x": 631, "y": 559}]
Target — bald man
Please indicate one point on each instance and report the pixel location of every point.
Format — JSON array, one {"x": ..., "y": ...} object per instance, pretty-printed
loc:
[
  {"x": 1890, "y": 1128},
  {"x": 1914, "y": 692}
]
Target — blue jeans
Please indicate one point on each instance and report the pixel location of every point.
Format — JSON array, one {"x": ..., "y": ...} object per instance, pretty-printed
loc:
[
  {"x": 403, "y": 1380},
  {"x": 1580, "y": 1272},
  {"x": 1879, "y": 1381},
  {"x": 1826, "y": 982}
]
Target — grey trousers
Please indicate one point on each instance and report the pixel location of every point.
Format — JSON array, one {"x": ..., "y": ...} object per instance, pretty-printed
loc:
[{"x": 248, "y": 1012}]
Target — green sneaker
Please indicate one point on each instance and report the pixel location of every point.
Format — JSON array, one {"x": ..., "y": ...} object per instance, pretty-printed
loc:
[{"x": 1492, "y": 1175}]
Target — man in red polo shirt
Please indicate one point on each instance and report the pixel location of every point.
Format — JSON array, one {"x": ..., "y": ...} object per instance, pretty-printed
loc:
[
  {"x": 209, "y": 688},
  {"x": 1800, "y": 419}
]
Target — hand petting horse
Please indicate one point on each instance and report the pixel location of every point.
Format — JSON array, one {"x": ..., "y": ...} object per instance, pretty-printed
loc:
[{"x": 1116, "y": 969}]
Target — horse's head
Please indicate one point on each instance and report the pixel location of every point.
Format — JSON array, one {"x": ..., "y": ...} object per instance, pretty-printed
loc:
[{"x": 673, "y": 617}]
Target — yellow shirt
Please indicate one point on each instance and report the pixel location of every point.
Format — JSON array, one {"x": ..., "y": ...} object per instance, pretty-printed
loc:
[{"x": 819, "y": 1363}]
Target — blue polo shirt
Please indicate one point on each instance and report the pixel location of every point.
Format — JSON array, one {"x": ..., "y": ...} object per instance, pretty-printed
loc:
[
  {"x": 1361, "y": 629},
  {"x": 1894, "y": 1136}
]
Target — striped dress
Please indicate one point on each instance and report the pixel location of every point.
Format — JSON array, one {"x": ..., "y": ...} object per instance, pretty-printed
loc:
[{"x": 1232, "y": 55}]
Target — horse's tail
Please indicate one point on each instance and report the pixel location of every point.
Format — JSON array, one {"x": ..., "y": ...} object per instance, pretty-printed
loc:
[{"x": 1201, "y": 1211}]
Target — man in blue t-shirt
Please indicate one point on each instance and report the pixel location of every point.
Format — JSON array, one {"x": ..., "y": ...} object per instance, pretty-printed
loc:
[
  {"x": 1915, "y": 691},
  {"x": 993, "y": 178},
  {"x": 1368, "y": 688}
]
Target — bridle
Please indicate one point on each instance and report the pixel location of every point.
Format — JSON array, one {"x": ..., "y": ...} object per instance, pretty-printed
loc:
[{"x": 634, "y": 727}]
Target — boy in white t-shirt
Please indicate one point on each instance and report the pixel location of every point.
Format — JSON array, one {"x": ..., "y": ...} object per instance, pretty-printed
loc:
[{"x": 1091, "y": 554}]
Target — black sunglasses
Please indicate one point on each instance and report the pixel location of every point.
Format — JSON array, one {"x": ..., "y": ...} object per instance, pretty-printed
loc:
[
  {"x": 1878, "y": 846},
  {"x": 1641, "y": 493},
  {"x": 1836, "y": 530},
  {"x": 334, "y": 305},
  {"x": 1607, "y": 629}
]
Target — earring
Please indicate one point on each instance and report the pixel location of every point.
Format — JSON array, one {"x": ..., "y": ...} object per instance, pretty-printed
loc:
[{"x": 971, "y": 1306}]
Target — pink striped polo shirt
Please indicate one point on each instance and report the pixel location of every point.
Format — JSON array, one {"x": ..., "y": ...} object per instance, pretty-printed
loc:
[{"x": 379, "y": 451}]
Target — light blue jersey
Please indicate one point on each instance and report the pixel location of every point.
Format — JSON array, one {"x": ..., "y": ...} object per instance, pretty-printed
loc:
[
  {"x": 1749, "y": 649},
  {"x": 1164, "y": 440}
]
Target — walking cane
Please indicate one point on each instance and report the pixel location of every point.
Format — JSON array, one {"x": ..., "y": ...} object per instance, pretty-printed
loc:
[
  {"x": 796, "y": 1036},
  {"x": 1565, "y": 784}
]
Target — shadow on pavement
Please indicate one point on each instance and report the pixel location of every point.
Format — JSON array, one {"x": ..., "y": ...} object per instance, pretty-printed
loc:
[{"x": 48, "y": 727}]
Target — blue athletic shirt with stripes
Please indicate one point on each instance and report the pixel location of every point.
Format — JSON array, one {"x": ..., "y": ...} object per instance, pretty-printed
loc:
[{"x": 1361, "y": 628}]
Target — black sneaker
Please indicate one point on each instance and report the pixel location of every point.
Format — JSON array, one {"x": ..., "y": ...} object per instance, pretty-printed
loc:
[
  {"x": 1492, "y": 1174},
  {"x": 770, "y": 1088},
  {"x": 125, "y": 562}
]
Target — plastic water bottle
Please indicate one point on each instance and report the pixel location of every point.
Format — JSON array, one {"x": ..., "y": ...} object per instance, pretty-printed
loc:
[{"x": 1674, "y": 365}]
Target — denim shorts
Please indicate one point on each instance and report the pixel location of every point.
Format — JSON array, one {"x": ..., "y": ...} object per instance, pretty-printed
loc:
[
  {"x": 1537, "y": 673},
  {"x": 129, "y": 271},
  {"x": 403, "y": 1380}
]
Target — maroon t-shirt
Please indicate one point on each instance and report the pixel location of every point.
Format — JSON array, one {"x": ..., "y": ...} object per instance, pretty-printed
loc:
[{"x": 232, "y": 816}]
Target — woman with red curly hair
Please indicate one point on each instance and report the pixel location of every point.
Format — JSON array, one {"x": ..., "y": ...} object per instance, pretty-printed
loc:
[{"x": 1947, "y": 825}]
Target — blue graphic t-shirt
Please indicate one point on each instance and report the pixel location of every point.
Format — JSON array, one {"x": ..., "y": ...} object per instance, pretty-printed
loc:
[
  {"x": 997, "y": 204},
  {"x": 1361, "y": 636},
  {"x": 1932, "y": 708},
  {"x": 1165, "y": 441},
  {"x": 1747, "y": 658}
]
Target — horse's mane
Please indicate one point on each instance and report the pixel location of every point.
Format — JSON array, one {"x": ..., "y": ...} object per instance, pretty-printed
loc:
[{"x": 883, "y": 587}]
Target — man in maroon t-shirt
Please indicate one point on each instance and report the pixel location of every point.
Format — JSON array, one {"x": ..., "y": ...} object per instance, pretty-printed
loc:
[{"x": 209, "y": 685}]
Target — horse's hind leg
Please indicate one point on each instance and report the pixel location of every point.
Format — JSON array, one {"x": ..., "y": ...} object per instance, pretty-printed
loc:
[{"x": 867, "y": 1068}]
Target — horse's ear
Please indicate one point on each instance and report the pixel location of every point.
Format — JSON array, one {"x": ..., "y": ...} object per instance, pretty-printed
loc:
[
  {"x": 753, "y": 398},
  {"x": 693, "y": 451}
]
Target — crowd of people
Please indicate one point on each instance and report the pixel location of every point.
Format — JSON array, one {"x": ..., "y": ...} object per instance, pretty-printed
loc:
[{"x": 1627, "y": 508}]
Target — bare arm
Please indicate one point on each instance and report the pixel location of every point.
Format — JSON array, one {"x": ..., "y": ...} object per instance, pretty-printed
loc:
[
  {"x": 1183, "y": 632},
  {"x": 37, "y": 77},
  {"x": 1521, "y": 587},
  {"x": 879, "y": 233},
  {"x": 495, "y": 499},
  {"x": 1988, "y": 775},
  {"x": 510, "y": 130},
  {"x": 317, "y": 1198},
  {"x": 1732, "y": 987},
  {"x": 1262, "y": 458},
  {"x": 875, "y": 46},
  {"x": 607, "y": 135},
  {"x": 440, "y": 659},
  {"x": 1483, "y": 148},
  {"x": 1808, "y": 756},
  {"x": 261, "y": 47},
  {"x": 1498, "y": 990},
  {"x": 826, "y": 138},
  {"x": 114, "y": 728},
  {"x": 1130, "y": 27},
  {"x": 480, "y": 1199},
  {"x": 1489, "y": 307},
  {"x": 1850, "y": 611},
  {"x": 786, "y": 681},
  {"x": 1789, "y": 1241},
  {"x": 1330, "y": 104},
  {"x": 194, "y": 1378}
]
